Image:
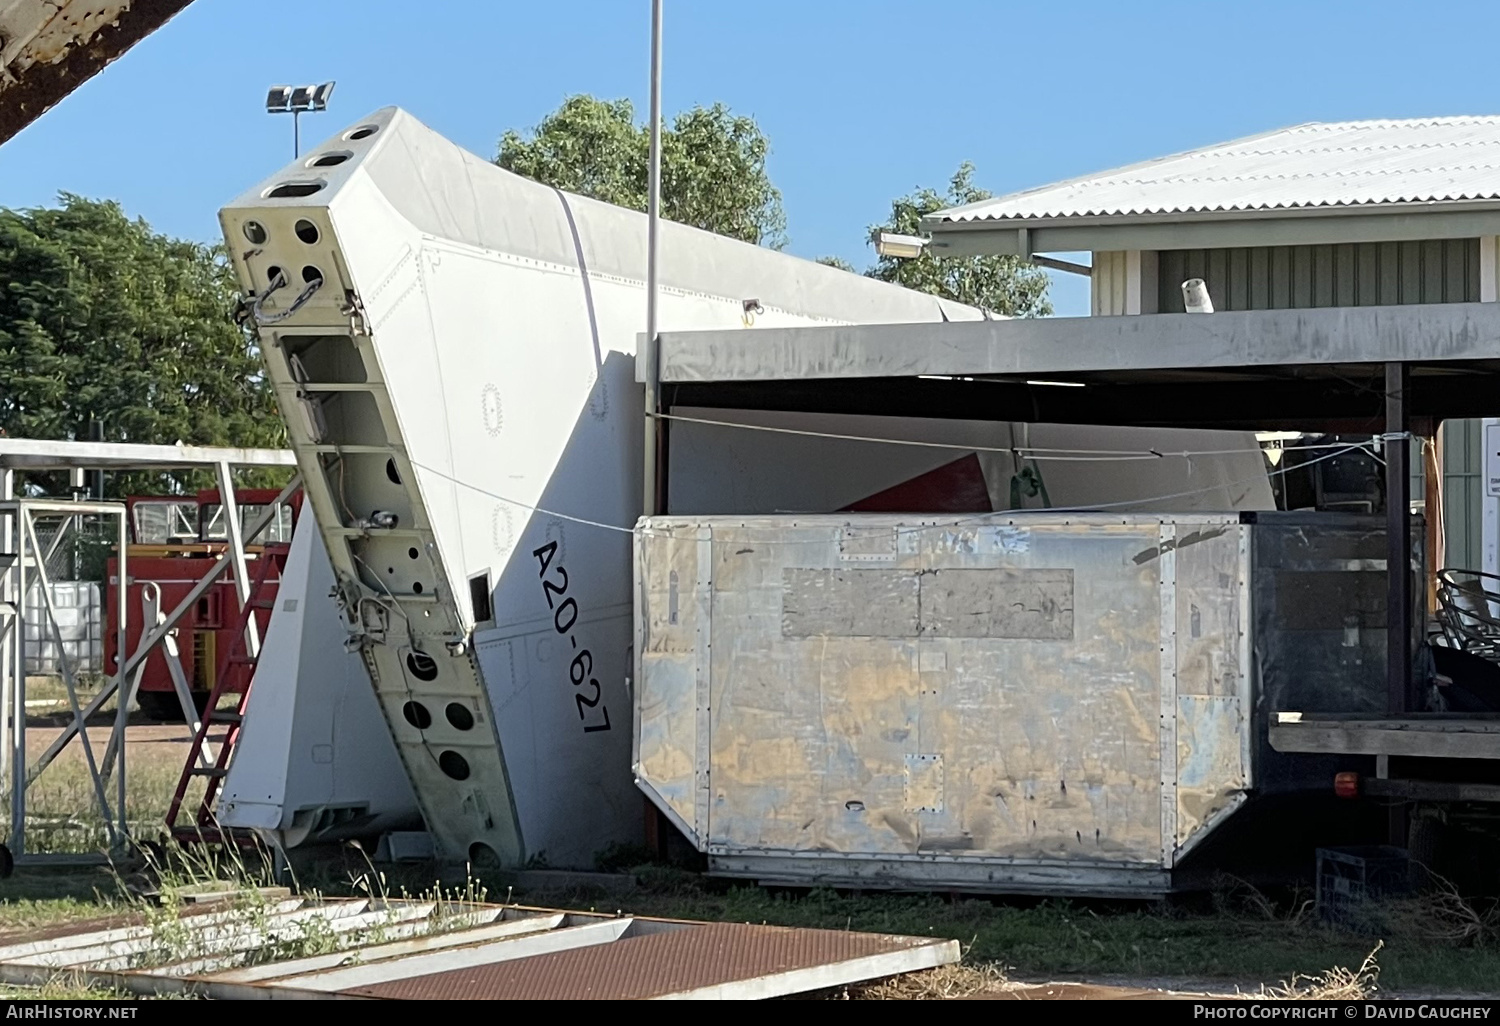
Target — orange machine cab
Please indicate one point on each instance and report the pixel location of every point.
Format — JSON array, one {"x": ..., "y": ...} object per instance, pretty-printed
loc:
[{"x": 174, "y": 542}]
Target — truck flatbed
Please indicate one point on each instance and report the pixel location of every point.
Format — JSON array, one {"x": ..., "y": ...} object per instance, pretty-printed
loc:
[{"x": 1422, "y": 735}]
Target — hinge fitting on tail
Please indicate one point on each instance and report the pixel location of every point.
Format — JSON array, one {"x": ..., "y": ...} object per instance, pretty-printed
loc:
[{"x": 359, "y": 323}]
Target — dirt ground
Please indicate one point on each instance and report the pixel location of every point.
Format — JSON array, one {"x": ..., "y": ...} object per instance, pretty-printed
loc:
[
  {"x": 153, "y": 743},
  {"x": 1080, "y": 992}
]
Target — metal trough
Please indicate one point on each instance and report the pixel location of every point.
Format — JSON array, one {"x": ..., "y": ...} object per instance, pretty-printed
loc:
[{"x": 433, "y": 951}]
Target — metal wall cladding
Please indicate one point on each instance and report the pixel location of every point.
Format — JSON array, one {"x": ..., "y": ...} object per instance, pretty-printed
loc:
[
  {"x": 1299, "y": 277},
  {"x": 1349, "y": 274},
  {"x": 1027, "y": 689}
]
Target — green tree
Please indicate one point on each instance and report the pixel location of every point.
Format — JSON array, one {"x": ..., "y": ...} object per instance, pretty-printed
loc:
[
  {"x": 103, "y": 319},
  {"x": 713, "y": 173},
  {"x": 1001, "y": 284}
]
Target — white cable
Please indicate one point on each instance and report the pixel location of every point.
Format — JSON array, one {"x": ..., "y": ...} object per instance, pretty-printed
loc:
[
  {"x": 956, "y": 523},
  {"x": 1032, "y": 452},
  {"x": 522, "y": 505}
]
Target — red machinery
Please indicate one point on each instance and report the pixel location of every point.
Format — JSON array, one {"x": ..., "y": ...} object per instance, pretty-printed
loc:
[{"x": 174, "y": 542}]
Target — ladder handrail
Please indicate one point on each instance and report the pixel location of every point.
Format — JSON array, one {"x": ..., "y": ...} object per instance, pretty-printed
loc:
[{"x": 235, "y": 658}]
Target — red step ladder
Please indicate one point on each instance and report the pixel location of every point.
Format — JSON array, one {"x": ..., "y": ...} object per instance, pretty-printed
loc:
[{"x": 235, "y": 672}]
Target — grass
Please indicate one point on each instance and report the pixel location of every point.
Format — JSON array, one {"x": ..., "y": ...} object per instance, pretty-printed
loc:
[
  {"x": 1439, "y": 943},
  {"x": 63, "y": 814},
  {"x": 50, "y": 688},
  {"x": 62, "y": 989},
  {"x": 1260, "y": 946}
]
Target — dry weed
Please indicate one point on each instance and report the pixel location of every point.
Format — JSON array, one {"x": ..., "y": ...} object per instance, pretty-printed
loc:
[
  {"x": 1336, "y": 984},
  {"x": 1236, "y": 896},
  {"x": 945, "y": 983},
  {"x": 1445, "y": 916}
]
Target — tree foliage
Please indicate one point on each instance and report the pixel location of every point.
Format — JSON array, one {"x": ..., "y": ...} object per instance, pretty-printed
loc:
[
  {"x": 713, "y": 165},
  {"x": 1001, "y": 284},
  {"x": 103, "y": 319}
]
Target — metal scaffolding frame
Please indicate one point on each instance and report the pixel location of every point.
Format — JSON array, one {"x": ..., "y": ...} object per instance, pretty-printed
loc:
[{"x": 23, "y": 564}]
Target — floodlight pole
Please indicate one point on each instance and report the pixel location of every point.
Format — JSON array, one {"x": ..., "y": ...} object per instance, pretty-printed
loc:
[
  {"x": 652, "y": 499},
  {"x": 296, "y": 134}
]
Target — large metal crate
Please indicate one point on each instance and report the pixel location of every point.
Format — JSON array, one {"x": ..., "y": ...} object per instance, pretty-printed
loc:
[{"x": 1051, "y": 702}]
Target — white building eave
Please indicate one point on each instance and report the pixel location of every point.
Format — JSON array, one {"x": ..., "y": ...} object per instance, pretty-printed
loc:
[{"x": 1385, "y": 222}]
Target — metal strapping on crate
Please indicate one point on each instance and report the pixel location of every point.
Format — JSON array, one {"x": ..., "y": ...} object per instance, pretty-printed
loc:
[{"x": 426, "y": 950}]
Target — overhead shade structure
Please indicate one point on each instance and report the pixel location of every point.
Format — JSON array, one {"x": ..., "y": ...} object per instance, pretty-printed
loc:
[{"x": 48, "y": 49}]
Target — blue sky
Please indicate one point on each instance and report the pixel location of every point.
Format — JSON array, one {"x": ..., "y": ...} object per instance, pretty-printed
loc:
[{"x": 862, "y": 99}]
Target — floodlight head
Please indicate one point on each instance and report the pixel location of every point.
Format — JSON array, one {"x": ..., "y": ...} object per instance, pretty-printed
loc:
[
  {"x": 321, "y": 95},
  {"x": 899, "y": 247},
  {"x": 302, "y": 98},
  {"x": 279, "y": 99},
  {"x": 1195, "y": 297}
]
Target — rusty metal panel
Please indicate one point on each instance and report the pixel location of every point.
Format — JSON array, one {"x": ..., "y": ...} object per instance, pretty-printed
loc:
[
  {"x": 48, "y": 49},
  {"x": 1033, "y": 718},
  {"x": 1212, "y": 771},
  {"x": 415, "y": 950},
  {"x": 656, "y": 965},
  {"x": 1210, "y": 572},
  {"x": 666, "y": 731}
]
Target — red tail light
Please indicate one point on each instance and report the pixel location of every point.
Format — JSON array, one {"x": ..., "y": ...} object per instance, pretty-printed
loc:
[{"x": 1346, "y": 785}]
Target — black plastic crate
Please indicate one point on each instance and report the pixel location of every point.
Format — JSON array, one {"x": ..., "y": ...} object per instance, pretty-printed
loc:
[{"x": 1350, "y": 879}]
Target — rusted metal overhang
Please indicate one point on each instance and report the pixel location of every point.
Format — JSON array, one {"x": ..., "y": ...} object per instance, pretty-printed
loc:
[{"x": 48, "y": 48}]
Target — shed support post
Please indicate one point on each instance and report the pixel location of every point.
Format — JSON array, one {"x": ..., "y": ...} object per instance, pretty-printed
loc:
[
  {"x": 1398, "y": 542},
  {"x": 1398, "y": 600}
]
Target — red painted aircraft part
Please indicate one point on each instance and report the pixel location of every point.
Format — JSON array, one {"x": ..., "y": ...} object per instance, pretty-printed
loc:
[{"x": 956, "y": 487}]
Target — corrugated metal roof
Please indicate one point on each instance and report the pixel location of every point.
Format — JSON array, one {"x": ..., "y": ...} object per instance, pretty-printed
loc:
[{"x": 1316, "y": 165}]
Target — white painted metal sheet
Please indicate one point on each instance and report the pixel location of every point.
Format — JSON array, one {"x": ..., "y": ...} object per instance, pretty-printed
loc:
[{"x": 314, "y": 760}]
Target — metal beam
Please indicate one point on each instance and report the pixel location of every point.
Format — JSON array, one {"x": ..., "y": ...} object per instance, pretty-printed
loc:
[
  {"x": 1183, "y": 232},
  {"x": 1398, "y": 634},
  {"x": 1429, "y": 790},
  {"x": 1066, "y": 266},
  {"x": 1434, "y": 737},
  {"x": 64, "y": 664},
  {"x": 1346, "y": 404},
  {"x": 1047, "y": 347},
  {"x": 1144, "y": 406},
  {"x": 230, "y": 508},
  {"x": 36, "y": 454}
]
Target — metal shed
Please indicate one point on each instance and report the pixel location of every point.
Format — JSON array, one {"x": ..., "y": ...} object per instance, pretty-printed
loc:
[{"x": 1388, "y": 372}]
